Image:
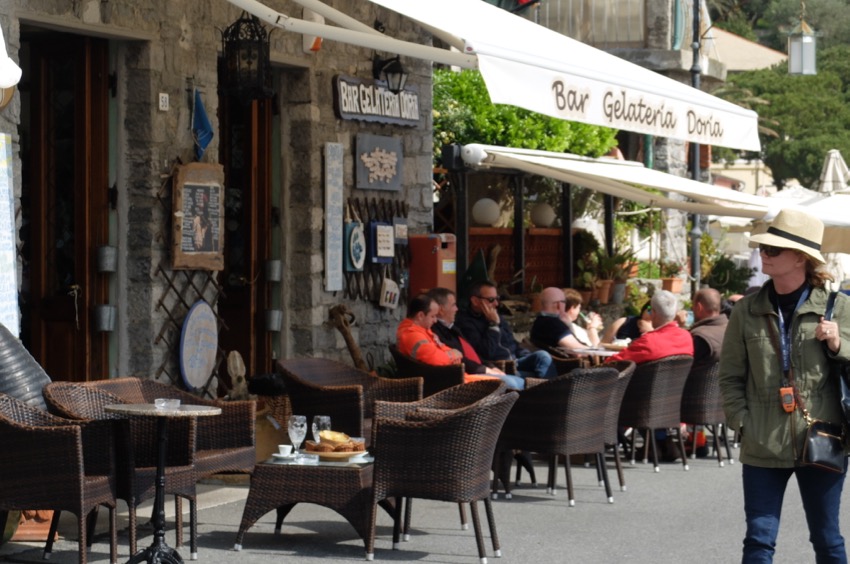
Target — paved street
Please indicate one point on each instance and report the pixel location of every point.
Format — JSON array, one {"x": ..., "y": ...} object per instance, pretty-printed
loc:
[{"x": 670, "y": 517}]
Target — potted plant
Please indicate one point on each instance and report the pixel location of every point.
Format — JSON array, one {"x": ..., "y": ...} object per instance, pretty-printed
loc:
[
  {"x": 585, "y": 280},
  {"x": 670, "y": 280}
]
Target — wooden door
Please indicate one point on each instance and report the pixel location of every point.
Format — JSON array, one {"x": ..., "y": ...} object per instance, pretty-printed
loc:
[
  {"x": 64, "y": 202},
  {"x": 246, "y": 152}
]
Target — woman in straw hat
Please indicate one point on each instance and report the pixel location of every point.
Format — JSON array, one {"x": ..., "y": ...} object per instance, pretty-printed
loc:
[{"x": 777, "y": 338}]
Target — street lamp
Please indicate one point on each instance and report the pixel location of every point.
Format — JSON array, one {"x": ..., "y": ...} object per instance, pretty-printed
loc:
[
  {"x": 801, "y": 47},
  {"x": 696, "y": 231}
]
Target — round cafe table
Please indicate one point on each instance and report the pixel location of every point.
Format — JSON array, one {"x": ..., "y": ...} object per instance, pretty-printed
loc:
[{"x": 159, "y": 551}]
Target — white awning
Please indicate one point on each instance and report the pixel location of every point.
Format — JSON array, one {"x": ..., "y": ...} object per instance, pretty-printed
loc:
[
  {"x": 530, "y": 66},
  {"x": 622, "y": 179}
]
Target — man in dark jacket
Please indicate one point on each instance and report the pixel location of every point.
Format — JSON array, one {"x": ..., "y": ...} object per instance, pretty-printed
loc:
[
  {"x": 492, "y": 337},
  {"x": 709, "y": 328},
  {"x": 449, "y": 334}
]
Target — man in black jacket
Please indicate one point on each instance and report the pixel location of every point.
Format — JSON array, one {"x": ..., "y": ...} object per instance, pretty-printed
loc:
[
  {"x": 492, "y": 337},
  {"x": 449, "y": 334}
]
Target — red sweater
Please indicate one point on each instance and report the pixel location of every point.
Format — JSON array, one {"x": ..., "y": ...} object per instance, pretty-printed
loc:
[{"x": 667, "y": 340}]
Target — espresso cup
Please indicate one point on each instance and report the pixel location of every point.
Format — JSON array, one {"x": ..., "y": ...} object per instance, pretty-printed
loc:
[{"x": 285, "y": 450}]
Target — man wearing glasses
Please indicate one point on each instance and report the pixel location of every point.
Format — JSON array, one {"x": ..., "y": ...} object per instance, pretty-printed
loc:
[{"x": 492, "y": 337}]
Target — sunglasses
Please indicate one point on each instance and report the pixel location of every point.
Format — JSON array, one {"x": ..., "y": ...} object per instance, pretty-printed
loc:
[
  {"x": 770, "y": 250},
  {"x": 491, "y": 300}
]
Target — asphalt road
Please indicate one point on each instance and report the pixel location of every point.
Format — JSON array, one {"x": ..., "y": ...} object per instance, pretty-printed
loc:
[{"x": 672, "y": 516}]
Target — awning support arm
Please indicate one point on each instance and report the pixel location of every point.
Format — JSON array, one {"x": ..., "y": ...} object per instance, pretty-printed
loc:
[{"x": 369, "y": 40}]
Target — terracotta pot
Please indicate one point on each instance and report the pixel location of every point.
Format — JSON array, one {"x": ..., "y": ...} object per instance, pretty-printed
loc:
[
  {"x": 585, "y": 297},
  {"x": 672, "y": 285},
  {"x": 604, "y": 287},
  {"x": 534, "y": 300}
]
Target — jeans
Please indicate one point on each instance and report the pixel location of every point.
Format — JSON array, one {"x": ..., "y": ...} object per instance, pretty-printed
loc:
[
  {"x": 513, "y": 382},
  {"x": 820, "y": 491},
  {"x": 536, "y": 365}
]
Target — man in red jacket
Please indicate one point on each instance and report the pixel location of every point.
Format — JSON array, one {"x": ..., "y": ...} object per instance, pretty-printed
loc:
[
  {"x": 667, "y": 339},
  {"x": 415, "y": 339}
]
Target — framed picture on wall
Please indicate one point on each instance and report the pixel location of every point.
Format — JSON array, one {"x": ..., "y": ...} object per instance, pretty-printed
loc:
[{"x": 198, "y": 217}]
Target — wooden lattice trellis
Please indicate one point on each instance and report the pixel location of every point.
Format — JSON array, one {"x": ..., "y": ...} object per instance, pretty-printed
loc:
[
  {"x": 366, "y": 284},
  {"x": 181, "y": 290}
]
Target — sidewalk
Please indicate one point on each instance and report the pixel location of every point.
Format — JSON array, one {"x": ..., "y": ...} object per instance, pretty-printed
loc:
[{"x": 670, "y": 517}]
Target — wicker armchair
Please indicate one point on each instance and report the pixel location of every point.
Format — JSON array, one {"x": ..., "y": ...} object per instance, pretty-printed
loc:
[
  {"x": 456, "y": 397},
  {"x": 136, "y": 452},
  {"x": 438, "y": 454},
  {"x": 434, "y": 378},
  {"x": 54, "y": 463},
  {"x": 702, "y": 404},
  {"x": 563, "y": 363},
  {"x": 653, "y": 400},
  {"x": 225, "y": 442},
  {"x": 319, "y": 386},
  {"x": 626, "y": 368},
  {"x": 560, "y": 417}
]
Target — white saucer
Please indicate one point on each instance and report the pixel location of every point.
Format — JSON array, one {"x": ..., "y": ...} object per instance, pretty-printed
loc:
[{"x": 279, "y": 456}]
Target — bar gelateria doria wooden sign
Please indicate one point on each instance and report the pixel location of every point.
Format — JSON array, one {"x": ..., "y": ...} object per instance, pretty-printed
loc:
[{"x": 198, "y": 217}]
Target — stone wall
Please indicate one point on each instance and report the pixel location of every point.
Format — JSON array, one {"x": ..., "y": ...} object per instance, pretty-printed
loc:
[{"x": 182, "y": 51}]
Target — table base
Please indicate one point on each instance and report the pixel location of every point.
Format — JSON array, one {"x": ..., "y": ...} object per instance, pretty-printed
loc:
[{"x": 345, "y": 489}]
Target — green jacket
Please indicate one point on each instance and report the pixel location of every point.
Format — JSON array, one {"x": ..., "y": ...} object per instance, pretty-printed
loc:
[{"x": 751, "y": 375}]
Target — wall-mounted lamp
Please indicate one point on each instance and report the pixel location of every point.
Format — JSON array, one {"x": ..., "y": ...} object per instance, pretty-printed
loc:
[
  {"x": 391, "y": 71},
  {"x": 246, "y": 65},
  {"x": 802, "y": 45}
]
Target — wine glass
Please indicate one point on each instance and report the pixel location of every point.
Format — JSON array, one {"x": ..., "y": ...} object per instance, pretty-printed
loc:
[
  {"x": 297, "y": 429},
  {"x": 320, "y": 423}
]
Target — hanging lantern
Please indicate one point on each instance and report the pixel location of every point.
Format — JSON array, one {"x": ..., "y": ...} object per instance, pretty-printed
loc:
[
  {"x": 802, "y": 44},
  {"x": 246, "y": 65}
]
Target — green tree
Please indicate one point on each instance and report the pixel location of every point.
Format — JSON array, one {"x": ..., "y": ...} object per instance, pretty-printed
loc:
[
  {"x": 809, "y": 114},
  {"x": 463, "y": 113},
  {"x": 829, "y": 18}
]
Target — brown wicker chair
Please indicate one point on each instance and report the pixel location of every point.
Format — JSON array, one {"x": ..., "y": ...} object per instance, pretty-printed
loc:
[
  {"x": 456, "y": 397},
  {"x": 702, "y": 404},
  {"x": 653, "y": 400},
  {"x": 54, "y": 463},
  {"x": 563, "y": 363},
  {"x": 225, "y": 442},
  {"x": 319, "y": 386},
  {"x": 434, "y": 378},
  {"x": 626, "y": 369},
  {"x": 563, "y": 416},
  {"x": 136, "y": 452},
  {"x": 438, "y": 454}
]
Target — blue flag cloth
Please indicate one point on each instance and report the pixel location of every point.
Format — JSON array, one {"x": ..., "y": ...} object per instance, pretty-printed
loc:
[{"x": 202, "y": 131}]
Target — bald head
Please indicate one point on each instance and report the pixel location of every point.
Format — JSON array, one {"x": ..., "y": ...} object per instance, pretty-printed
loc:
[
  {"x": 550, "y": 299},
  {"x": 707, "y": 302}
]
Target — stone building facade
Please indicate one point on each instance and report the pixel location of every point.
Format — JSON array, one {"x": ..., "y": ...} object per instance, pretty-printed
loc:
[{"x": 155, "y": 47}]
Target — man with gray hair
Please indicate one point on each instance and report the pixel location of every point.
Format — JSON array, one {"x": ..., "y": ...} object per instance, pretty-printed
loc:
[{"x": 666, "y": 339}]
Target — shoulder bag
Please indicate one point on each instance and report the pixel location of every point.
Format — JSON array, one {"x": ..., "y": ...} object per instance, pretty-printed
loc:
[{"x": 824, "y": 444}]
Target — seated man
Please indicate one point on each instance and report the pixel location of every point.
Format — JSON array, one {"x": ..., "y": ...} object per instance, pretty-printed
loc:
[
  {"x": 709, "y": 329},
  {"x": 492, "y": 338},
  {"x": 666, "y": 339},
  {"x": 554, "y": 326},
  {"x": 415, "y": 339},
  {"x": 447, "y": 332}
]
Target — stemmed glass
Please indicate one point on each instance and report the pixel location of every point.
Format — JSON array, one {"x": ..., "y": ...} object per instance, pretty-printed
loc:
[
  {"x": 320, "y": 423},
  {"x": 297, "y": 429}
]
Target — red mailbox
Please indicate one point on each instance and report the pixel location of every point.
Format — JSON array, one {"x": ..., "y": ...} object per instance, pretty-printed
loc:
[{"x": 433, "y": 262}]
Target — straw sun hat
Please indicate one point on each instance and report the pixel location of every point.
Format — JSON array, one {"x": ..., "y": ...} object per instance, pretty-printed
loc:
[{"x": 794, "y": 229}]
